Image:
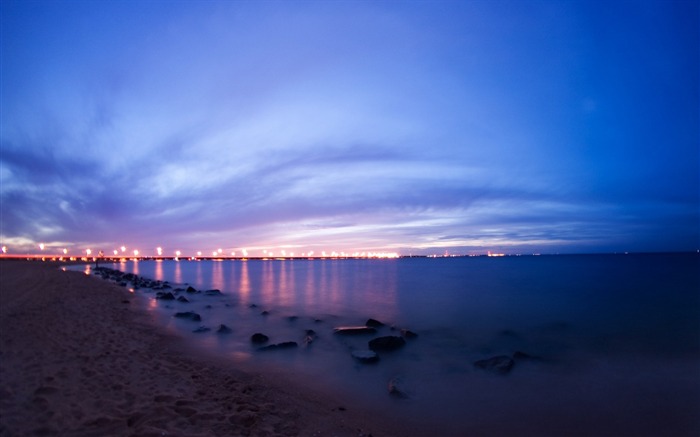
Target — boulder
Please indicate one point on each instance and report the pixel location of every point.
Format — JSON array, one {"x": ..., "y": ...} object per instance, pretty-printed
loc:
[
  {"x": 189, "y": 315},
  {"x": 354, "y": 330},
  {"x": 501, "y": 364},
  {"x": 223, "y": 329},
  {"x": 191, "y": 289},
  {"x": 365, "y": 356},
  {"x": 165, "y": 295},
  {"x": 408, "y": 333},
  {"x": 213, "y": 292},
  {"x": 395, "y": 389},
  {"x": 283, "y": 345},
  {"x": 259, "y": 338},
  {"x": 182, "y": 299},
  {"x": 388, "y": 343},
  {"x": 523, "y": 356},
  {"x": 202, "y": 329},
  {"x": 309, "y": 337},
  {"x": 372, "y": 323}
]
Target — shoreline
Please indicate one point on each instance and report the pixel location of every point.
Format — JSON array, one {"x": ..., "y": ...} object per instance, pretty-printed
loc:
[{"x": 76, "y": 358}]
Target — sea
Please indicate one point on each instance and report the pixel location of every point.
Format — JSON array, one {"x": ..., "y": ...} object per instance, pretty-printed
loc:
[{"x": 600, "y": 344}]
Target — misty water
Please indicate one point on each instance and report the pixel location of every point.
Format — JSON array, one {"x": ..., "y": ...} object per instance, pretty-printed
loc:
[{"x": 614, "y": 340}]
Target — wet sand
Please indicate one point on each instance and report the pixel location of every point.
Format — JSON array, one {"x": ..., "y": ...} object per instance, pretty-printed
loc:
[{"x": 77, "y": 358}]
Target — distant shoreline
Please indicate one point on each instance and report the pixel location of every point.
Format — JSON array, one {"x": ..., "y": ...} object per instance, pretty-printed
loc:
[{"x": 115, "y": 259}]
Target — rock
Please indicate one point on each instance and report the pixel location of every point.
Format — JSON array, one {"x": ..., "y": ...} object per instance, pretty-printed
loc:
[
  {"x": 500, "y": 364},
  {"x": 292, "y": 318},
  {"x": 190, "y": 315},
  {"x": 265, "y": 313},
  {"x": 394, "y": 387},
  {"x": 309, "y": 337},
  {"x": 408, "y": 334},
  {"x": 372, "y": 323},
  {"x": 165, "y": 295},
  {"x": 212, "y": 292},
  {"x": 522, "y": 356},
  {"x": 365, "y": 356},
  {"x": 223, "y": 329},
  {"x": 259, "y": 338},
  {"x": 388, "y": 343},
  {"x": 191, "y": 289},
  {"x": 201, "y": 329},
  {"x": 183, "y": 299},
  {"x": 354, "y": 330},
  {"x": 283, "y": 345}
]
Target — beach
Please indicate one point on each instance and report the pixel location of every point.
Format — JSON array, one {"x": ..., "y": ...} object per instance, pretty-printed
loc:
[{"x": 77, "y": 358}]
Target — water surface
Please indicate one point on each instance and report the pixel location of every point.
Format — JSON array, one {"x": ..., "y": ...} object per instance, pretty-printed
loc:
[{"x": 616, "y": 338}]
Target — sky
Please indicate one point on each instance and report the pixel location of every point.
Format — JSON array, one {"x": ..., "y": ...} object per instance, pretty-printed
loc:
[{"x": 416, "y": 127}]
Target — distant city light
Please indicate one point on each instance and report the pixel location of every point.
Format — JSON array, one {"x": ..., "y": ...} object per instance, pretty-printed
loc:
[
  {"x": 65, "y": 251},
  {"x": 123, "y": 248},
  {"x": 88, "y": 251},
  {"x": 41, "y": 246},
  {"x": 115, "y": 252},
  {"x": 177, "y": 253},
  {"x": 4, "y": 249},
  {"x": 136, "y": 252},
  {"x": 160, "y": 251}
]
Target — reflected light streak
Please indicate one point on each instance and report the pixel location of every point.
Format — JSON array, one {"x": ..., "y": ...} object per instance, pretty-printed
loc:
[{"x": 245, "y": 284}]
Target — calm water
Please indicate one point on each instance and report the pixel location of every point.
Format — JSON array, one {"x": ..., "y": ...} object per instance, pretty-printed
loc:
[{"x": 617, "y": 336}]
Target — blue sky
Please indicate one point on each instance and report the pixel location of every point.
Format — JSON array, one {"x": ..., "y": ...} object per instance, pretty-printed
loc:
[{"x": 415, "y": 127}]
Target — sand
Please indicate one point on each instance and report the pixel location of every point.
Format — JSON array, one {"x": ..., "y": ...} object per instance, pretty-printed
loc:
[{"x": 77, "y": 358}]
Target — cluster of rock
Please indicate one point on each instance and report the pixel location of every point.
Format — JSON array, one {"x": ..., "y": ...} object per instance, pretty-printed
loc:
[
  {"x": 385, "y": 343},
  {"x": 375, "y": 345},
  {"x": 136, "y": 281}
]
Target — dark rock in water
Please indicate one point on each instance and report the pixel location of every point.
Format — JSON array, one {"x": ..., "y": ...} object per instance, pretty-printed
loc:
[
  {"x": 182, "y": 299},
  {"x": 213, "y": 292},
  {"x": 354, "y": 330},
  {"x": 265, "y": 313},
  {"x": 165, "y": 295},
  {"x": 126, "y": 301},
  {"x": 191, "y": 289},
  {"x": 500, "y": 364},
  {"x": 283, "y": 345},
  {"x": 252, "y": 305},
  {"x": 388, "y": 343},
  {"x": 201, "y": 329},
  {"x": 190, "y": 315},
  {"x": 223, "y": 329},
  {"x": 365, "y": 356},
  {"x": 309, "y": 337},
  {"x": 395, "y": 389},
  {"x": 522, "y": 356},
  {"x": 372, "y": 323},
  {"x": 408, "y": 334},
  {"x": 259, "y": 338},
  {"x": 207, "y": 307},
  {"x": 292, "y": 318}
]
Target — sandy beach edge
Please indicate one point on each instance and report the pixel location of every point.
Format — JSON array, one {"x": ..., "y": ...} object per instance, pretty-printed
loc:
[{"x": 77, "y": 358}]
